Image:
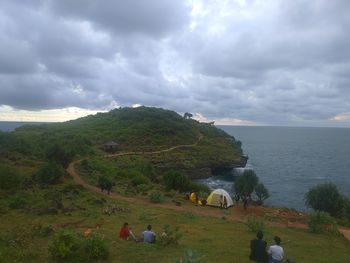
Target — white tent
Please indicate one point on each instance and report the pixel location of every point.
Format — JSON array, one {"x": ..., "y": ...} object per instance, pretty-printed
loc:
[{"x": 216, "y": 198}]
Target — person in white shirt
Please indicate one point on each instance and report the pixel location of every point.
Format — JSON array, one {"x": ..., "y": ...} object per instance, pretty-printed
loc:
[{"x": 276, "y": 251}]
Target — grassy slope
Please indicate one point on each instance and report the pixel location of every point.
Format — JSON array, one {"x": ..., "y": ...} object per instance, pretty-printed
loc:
[
  {"x": 217, "y": 239},
  {"x": 136, "y": 129}
]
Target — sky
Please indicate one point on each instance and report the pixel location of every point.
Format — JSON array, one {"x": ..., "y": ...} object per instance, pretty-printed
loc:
[{"x": 237, "y": 62}]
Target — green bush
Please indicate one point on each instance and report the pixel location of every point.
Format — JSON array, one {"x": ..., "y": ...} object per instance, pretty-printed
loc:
[
  {"x": 171, "y": 235},
  {"x": 49, "y": 173},
  {"x": 17, "y": 202},
  {"x": 56, "y": 153},
  {"x": 95, "y": 248},
  {"x": 156, "y": 197},
  {"x": 139, "y": 179},
  {"x": 142, "y": 188},
  {"x": 322, "y": 222},
  {"x": 9, "y": 179},
  {"x": 64, "y": 245},
  {"x": 69, "y": 247},
  {"x": 326, "y": 198},
  {"x": 176, "y": 181},
  {"x": 255, "y": 224}
]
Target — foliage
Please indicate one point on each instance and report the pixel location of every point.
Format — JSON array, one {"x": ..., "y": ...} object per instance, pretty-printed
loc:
[
  {"x": 325, "y": 197},
  {"x": 322, "y": 222},
  {"x": 255, "y": 224},
  {"x": 156, "y": 197},
  {"x": 68, "y": 246},
  {"x": 176, "y": 181},
  {"x": 139, "y": 179},
  {"x": 143, "y": 188},
  {"x": 17, "y": 202},
  {"x": 246, "y": 183},
  {"x": 49, "y": 173},
  {"x": 261, "y": 192},
  {"x": 9, "y": 179},
  {"x": 60, "y": 155},
  {"x": 95, "y": 248},
  {"x": 171, "y": 235},
  {"x": 64, "y": 245}
]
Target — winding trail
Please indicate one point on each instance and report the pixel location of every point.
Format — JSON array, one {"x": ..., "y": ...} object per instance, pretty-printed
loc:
[
  {"x": 200, "y": 137},
  {"x": 238, "y": 213}
]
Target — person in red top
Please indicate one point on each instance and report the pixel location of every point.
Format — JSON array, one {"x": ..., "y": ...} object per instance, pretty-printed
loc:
[{"x": 124, "y": 232}]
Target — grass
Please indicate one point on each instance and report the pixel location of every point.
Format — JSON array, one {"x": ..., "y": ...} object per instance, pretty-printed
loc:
[{"x": 216, "y": 239}]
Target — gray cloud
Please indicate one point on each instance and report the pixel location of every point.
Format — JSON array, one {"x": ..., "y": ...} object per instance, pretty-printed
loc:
[{"x": 270, "y": 62}]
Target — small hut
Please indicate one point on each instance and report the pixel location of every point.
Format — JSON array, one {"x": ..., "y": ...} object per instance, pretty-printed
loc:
[{"x": 110, "y": 146}]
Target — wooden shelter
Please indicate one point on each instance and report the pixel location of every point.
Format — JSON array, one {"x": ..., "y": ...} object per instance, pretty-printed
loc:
[{"x": 110, "y": 146}]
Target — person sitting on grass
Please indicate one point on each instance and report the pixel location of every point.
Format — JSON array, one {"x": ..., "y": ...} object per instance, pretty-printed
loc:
[
  {"x": 148, "y": 235},
  {"x": 276, "y": 251},
  {"x": 258, "y": 249},
  {"x": 124, "y": 232}
]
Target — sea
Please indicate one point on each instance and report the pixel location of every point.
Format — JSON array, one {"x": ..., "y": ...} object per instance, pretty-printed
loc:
[
  {"x": 291, "y": 160},
  {"x": 287, "y": 160}
]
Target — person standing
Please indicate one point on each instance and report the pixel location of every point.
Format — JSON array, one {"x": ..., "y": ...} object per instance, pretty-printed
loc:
[
  {"x": 225, "y": 202},
  {"x": 124, "y": 232},
  {"x": 258, "y": 249},
  {"x": 276, "y": 252}
]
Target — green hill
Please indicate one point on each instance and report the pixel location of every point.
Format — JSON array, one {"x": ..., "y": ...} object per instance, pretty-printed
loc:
[{"x": 142, "y": 129}]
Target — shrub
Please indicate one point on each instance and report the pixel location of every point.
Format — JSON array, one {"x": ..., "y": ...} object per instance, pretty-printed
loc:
[
  {"x": 139, "y": 179},
  {"x": 156, "y": 197},
  {"x": 143, "y": 188},
  {"x": 17, "y": 202},
  {"x": 9, "y": 179},
  {"x": 246, "y": 183},
  {"x": 176, "y": 181},
  {"x": 326, "y": 198},
  {"x": 60, "y": 155},
  {"x": 255, "y": 224},
  {"x": 49, "y": 173},
  {"x": 64, "y": 245},
  {"x": 322, "y": 222},
  {"x": 261, "y": 192},
  {"x": 171, "y": 235},
  {"x": 69, "y": 247},
  {"x": 95, "y": 248}
]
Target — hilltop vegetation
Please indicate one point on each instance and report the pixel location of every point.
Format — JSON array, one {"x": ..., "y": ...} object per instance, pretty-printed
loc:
[{"x": 135, "y": 129}]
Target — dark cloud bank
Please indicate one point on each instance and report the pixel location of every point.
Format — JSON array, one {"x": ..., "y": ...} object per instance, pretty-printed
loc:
[{"x": 268, "y": 62}]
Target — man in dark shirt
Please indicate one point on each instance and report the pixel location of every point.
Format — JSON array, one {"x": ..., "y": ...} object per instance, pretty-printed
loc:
[{"x": 258, "y": 249}]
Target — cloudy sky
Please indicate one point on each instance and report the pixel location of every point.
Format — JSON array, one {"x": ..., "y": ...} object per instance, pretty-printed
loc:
[{"x": 247, "y": 62}]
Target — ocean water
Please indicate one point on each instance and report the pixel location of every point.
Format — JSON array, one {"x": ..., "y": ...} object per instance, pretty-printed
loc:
[
  {"x": 290, "y": 160},
  {"x": 7, "y": 126}
]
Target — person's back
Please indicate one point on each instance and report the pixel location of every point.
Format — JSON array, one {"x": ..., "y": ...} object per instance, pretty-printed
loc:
[
  {"x": 258, "y": 249},
  {"x": 148, "y": 235},
  {"x": 124, "y": 232},
  {"x": 276, "y": 251}
]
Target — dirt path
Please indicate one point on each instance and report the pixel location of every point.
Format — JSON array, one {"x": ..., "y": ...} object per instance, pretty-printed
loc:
[{"x": 156, "y": 152}]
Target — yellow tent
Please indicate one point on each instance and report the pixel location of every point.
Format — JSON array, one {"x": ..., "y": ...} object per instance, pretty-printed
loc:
[{"x": 216, "y": 198}]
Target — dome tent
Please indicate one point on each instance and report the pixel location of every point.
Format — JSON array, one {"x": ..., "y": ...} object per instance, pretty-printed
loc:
[{"x": 218, "y": 195}]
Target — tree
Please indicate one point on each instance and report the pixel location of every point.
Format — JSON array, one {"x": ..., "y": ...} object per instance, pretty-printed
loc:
[
  {"x": 176, "y": 181},
  {"x": 326, "y": 198},
  {"x": 49, "y": 173},
  {"x": 188, "y": 115},
  {"x": 60, "y": 155},
  {"x": 261, "y": 192},
  {"x": 246, "y": 183}
]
